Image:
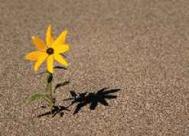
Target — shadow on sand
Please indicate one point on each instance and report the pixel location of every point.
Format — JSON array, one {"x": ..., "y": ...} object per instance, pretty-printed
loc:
[
  {"x": 55, "y": 110},
  {"x": 92, "y": 98},
  {"x": 80, "y": 100}
]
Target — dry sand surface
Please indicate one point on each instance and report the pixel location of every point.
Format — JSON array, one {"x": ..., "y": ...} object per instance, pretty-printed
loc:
[{"x": 138, "y": 46}]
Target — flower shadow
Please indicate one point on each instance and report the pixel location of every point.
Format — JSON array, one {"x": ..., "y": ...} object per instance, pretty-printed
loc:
[
  {"x": 93, "y": 99},
  {"x": 80, "y": 100}
]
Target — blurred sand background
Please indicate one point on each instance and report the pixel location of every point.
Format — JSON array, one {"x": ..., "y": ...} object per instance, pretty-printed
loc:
[{"x": 138, "y": 46}]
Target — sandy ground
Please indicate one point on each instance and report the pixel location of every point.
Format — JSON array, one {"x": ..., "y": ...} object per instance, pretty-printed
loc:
[{"x": 138, "y": 46}]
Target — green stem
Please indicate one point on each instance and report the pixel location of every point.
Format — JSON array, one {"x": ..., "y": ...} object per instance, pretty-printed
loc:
[{"x": 49, "y": 88}]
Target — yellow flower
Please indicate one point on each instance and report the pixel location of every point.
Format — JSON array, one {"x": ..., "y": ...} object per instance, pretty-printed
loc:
[{"x": 49, "y": 51}]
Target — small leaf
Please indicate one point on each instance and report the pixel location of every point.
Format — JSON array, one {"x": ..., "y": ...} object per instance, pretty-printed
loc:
[
  {"x": 39, "y": 96},
  {"x": 35, "y": 97},
  {"x": 61, "y": 84},
  {"x": 60, "y": 67}
]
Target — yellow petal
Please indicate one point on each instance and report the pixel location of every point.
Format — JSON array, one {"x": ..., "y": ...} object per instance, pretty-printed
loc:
[
  {"x": 61, "y": 48},
  {"x": 40, "y": 60},
  {"x": 60, "y": 59},
  {"x": 39, "y": 44},
  {"x": 61, "y": 38},
  {"x": 49, "y": 37},
  {"x": 50, "y": 61},
  {"x": 33, "y": 56}
]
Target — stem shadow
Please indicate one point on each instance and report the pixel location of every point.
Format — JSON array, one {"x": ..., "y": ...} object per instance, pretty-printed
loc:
[{"x": 56, "y": 110}]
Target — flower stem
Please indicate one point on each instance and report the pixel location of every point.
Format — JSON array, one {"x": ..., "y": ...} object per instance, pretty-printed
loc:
[{"x": 49, "y": 89}]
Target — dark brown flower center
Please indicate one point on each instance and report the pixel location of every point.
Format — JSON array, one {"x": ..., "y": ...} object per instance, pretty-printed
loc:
[{"x": 50, "y": 51}]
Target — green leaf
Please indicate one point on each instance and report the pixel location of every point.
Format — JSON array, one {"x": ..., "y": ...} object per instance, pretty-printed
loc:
[{"x": 39, "y": 96}]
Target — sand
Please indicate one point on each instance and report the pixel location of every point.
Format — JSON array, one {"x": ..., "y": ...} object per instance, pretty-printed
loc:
[{"x": 138, "y": 46}]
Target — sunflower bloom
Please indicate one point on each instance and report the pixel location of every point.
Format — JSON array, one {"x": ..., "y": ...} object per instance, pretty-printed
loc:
[{"x": 49, "y": 51}]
